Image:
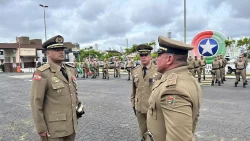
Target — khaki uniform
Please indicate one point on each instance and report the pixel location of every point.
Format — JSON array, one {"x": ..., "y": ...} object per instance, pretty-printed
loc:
[
  {"x": 105, "y": 70},
  {"x": 129, "y": 67},
  {"x": 203, "y": 68},
  {"x": 97, "y": 68},
  {"x": 76, "y": 66},
  {"x": 93, "y": 66},
  {"x": 190, "y": 66},
  {"x": 174, "y": 106},
  {"x": 197, "y": 65},
  {"x": 141, "y": 90},
  {"x": 216, "y": 65},
  {"x": 117, "y": 69},
  {"x": 53, "y": 101},
  {"x": 221, "y": 69},
  {"x": 240, "y": 71},
  {"x": 84, "y": 69}
]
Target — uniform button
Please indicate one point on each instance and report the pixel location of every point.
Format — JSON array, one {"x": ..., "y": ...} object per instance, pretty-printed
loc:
[
  {"x": 141, "y": 92},
  {"x": 72, "y": 105},
  {"x": 69, "y": 84},
  {"x": 142, "y": 86},
  {"x": 57, "y": 119},
  {"x": 70, "y": 94}
]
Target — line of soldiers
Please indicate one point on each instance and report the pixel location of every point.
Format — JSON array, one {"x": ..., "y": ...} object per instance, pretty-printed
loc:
[
  {"x": 197, "y": 67},
  {"x": 240, "y": 66},
  {"x": 218, "y": 70}
]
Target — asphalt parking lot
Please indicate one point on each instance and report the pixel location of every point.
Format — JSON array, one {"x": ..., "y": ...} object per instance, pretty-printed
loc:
[{"x": 109, "y": 117}]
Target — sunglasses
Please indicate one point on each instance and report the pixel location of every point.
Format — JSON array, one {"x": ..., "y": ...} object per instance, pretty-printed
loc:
[{"x": 141, "y": 55}]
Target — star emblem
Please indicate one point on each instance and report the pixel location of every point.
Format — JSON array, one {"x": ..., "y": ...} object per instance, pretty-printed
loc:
[{"x": 208, "y": 47}]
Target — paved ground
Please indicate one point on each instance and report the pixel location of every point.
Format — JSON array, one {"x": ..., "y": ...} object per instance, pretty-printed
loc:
[{"x": 109, "y": 116}]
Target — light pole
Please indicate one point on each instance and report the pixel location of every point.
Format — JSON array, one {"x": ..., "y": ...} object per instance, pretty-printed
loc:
[
  {"x": 44, "y": 6},
  {"x": 185, "y": 21}
]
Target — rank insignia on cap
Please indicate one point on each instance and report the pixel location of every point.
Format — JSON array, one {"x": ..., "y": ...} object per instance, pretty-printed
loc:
[
  {"x": 171, "y": 100},
  {"x": 59, "y": 39},
  {"x": 37, "y": 77}
]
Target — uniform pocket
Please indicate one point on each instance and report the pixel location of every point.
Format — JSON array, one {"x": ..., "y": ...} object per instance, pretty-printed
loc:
[
  {"x": 136, "y": 80},
  {"x": 57, "y": 123},
  {"x": 152, "y": 109},
  {"x": 58, "y": 88}
]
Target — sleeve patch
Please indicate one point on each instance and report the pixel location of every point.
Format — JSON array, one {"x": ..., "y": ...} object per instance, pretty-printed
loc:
[{"x": 37, "y": 76}]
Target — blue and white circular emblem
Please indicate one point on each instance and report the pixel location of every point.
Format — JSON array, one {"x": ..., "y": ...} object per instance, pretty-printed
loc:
[{"x": 208, "y": 47}]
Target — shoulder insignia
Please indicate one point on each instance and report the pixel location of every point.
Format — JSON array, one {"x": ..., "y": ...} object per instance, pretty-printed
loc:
[
  {"x": 136, "y": 67},
  {"x": 69, "y": 65},
  {"x": 43, "y": 67},
  {"x": 171, "y": 80}
]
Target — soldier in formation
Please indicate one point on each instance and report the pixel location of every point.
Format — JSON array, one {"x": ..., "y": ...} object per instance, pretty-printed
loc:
[
  {"x": 117, "y": 68},
  {"x": 97, "y": 66},
  {"x": 197, "y": 68},
  {"x": 129, "y": 66},
  {"x": 203, "y": 67},
  {"x": 143, "y": 76},
  {"x": 240, "y": 66},
  {"x": 190, "y": 65},
  {"x": 84, "y": 67},
  {"x": 76, "y": 67},
  {"x": 216, "y": 65},
  {"x": 105, "y": 72}
]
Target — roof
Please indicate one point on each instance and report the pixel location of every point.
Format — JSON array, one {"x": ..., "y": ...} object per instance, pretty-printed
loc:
[{"x": 15, "y": 45}]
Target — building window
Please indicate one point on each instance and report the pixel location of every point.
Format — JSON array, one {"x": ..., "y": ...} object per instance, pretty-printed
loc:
[
  {"x": 1, "y": 52},
  {"x": 7, "y": 59},
  {"x": 14, "y": 59}
]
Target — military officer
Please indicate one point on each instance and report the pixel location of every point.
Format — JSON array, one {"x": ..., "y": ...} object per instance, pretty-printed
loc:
[
  {"x": 175, "y": 99},
  {"x": 105, "y": 69},
  {"x": 203, "y": 67},
  {"x": 76, "y": 67},
  {"x": 129, "y": 67},
  {"x": 244, "y": 59},
  {"x": 84, "y": 68},
  {"x": 240, "y": 71},
  {"x": 216, "y": 65},
  {"x": 97, "y": 66},
  {"x": 197, "y": 65},
  {"x": 221, "y": 68},
  {"x": 190, "y": 65},
  {"x": 144, "y": 76},
  {"x": 54, "y": 95},
  {"x": 93, "y": 67},
  {"x": 117, "y": 68}
]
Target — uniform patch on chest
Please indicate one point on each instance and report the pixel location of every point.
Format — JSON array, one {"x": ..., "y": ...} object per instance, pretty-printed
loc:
[
  {"x": 171, "y": 100},
  {"x": 55, "y": 79}
]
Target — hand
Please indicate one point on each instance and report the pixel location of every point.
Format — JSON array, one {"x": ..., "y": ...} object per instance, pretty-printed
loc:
[
  {"x": 44, "y": 136},
  {"x": 134, "y": 110}
]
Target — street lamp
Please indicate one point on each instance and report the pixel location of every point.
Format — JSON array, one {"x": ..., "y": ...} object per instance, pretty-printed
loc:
[
  {"x": 44, "y": 6},
  {"x": 185, "y": 21}
]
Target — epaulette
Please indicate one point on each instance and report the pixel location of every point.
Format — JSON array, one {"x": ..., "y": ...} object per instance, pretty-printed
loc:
[
  {"x": 136, "y": 67},
  {"x": 171, "y": 80},
  {"x": 69, "y": 65},
  {"x": 43, "y": 67}
]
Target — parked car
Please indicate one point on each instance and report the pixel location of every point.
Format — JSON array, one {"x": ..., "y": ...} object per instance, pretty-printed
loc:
[
  {"x": 100, "y": 63},
  {"x": 231, "y": 65},
  {"x": 111, "y": 65}
]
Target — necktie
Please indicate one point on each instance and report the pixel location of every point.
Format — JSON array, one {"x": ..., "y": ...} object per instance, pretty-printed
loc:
[
  {"x": 64, "y": 73},
  {"x": 144, "y": 70}
]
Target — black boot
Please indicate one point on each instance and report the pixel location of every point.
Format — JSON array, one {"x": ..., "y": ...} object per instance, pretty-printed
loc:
[
  {"x": 222, "y": 82},
  {"x": 235, "y": 84},
  {"x": 219, "y": 83},
  {"x": 224, "y": 79},
  {"x": 244, "y": 85},
  {"x": 216, "y": 81},
  {"x": 212, "y": 83},
  {"x": 203, "y": 77},
  {"x": 199, "y": 80}
]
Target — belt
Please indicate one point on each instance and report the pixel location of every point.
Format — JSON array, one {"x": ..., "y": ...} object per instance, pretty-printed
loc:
[
  {"x": 203, "y": 65},
  {"x": 215, "y": 68},
  {"x": 190, "y": 68},
  {"x": 240, "y": 69},
  {"x": 196, "y": 67},
  {"x": 104, "y": 68}
]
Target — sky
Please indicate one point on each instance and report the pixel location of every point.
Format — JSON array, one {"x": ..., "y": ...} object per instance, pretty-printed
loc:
[{"x": 109, "y": 23}]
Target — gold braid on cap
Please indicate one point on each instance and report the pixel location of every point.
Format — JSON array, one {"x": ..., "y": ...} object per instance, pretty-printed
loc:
[
  {"x": 55, "y": 46},
  {"x": 162, "y": 48}
]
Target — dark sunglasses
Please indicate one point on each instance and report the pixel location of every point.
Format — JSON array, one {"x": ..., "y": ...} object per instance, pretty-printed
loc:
[{"x": 141, "y": 55}]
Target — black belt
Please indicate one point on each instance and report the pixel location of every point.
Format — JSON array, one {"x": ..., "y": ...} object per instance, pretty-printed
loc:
[
  {"x": 196, "y": 67},
  {"x": 203, "y": 65},
  {"x": 240, "y": 69},
  {"x": 190, "y": 68},
  {"x": 215, "y": 68}
]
